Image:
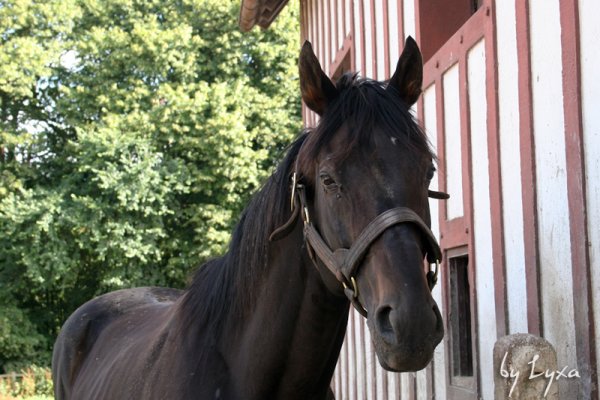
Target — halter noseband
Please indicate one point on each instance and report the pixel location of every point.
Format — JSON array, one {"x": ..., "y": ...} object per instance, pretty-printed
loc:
[{"x": 343, "y": 263}]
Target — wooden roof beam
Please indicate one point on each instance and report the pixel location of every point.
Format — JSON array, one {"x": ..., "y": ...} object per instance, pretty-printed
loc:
[{"x": 259, "y": 12}]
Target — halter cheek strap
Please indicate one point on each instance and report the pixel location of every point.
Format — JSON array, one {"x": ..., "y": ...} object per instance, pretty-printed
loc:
[{"x": 344, "y": 263}]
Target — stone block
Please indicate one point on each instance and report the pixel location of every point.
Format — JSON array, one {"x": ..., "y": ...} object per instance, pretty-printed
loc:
[{"x": 525, "y": 368}]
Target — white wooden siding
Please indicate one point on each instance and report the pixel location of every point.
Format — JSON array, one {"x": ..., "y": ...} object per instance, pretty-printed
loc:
[
  {"x": 358, "y": 51},
  {"x": 369, "y": 46},
  {"x": 379, "y": 40},
  {"x": 409, "y": 19},
  {"x": 510, "y": 154},
  {"x": 482, "y": 223},
  {"x": 395, "y": 37}
]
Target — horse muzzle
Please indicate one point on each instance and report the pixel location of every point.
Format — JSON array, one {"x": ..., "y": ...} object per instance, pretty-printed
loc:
[{"x": 405, "y": 339}]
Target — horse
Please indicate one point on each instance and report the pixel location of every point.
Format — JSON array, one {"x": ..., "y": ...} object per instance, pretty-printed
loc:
[{"x": 344, "y": 220}]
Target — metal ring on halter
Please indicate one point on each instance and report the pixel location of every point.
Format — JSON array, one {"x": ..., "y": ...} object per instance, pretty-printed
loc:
[
  {"x": 293, "y": 198},
  {"x": 306, "y": 216},
  {"x": 354, "y": 287},
  {"x": 435, "y": 273}
]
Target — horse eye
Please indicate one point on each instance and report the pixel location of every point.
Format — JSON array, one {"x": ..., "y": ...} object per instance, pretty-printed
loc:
[
  {"x": 430, "y": 173},
  {"x": 327, "y": 180}
]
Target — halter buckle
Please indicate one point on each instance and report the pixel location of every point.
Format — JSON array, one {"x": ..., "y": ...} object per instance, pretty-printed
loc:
[
  {"x": 352, "y": 295},
  {"x": 354, "y": 289},
  {"x": 432, "y": 276}
]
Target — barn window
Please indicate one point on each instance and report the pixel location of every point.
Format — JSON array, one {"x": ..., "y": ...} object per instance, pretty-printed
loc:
[
  {"x": 440, "y": 19},
  {"x": 460, "y": 303},
  {"x": 460, "y": 325}
]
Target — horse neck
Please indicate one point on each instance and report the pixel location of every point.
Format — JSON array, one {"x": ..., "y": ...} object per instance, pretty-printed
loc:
[{"x": 292, "y": 337}]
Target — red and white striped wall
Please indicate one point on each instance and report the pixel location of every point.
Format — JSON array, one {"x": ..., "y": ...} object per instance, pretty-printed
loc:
[{"x": 512, "y": 104}]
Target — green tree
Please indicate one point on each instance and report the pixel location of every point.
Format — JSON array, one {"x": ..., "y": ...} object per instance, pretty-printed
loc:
[{"x": 132, "y": 134}]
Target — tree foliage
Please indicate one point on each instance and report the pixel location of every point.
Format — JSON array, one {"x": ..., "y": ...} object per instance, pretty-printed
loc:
[{"x": 131, "y": 135}]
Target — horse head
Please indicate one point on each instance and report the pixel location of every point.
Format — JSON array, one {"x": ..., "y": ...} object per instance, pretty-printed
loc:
[{"x": 361, "y": 179}]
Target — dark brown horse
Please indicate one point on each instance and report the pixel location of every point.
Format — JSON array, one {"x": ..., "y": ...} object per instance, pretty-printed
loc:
[{"x": 267, "y": 320}]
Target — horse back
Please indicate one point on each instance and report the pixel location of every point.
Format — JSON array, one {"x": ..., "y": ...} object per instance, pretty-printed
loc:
[{"x": 78, "y": 338}]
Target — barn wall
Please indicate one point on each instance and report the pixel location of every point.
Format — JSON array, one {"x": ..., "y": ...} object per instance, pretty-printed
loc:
[{"x": 520, "y": 161}]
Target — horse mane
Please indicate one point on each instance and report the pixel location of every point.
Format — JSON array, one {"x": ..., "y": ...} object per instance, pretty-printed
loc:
[{"x": 228, "y": 285}]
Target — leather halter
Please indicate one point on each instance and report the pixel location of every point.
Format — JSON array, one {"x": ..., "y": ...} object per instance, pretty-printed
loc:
[{"x": 344, "y": 263}]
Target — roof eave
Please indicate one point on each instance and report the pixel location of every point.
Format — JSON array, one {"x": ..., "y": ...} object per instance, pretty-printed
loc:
[{"x": 259, "y": 12}]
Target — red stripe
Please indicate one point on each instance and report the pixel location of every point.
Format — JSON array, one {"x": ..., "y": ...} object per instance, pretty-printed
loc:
[
  {"x": 528, "y": 178},
  {"x": 495, "y": 175},
  {"x": 582, "y": 290}
]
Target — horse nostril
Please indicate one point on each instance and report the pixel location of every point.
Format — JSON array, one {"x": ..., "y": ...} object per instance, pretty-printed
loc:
[{"x": 383, "y": 321}]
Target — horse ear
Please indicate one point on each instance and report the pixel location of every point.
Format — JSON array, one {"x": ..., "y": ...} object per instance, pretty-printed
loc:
[
  {"x": 408, "y": 78},
  {"x": 317, "y": 89}
]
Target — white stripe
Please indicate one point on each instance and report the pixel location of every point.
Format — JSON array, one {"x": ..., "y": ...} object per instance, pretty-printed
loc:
[
  {"x": 357, "y": 35},
  {"x": 379, "y": 380},
  {"x": 406, "y": 382},
  {"x": 392, "y": 387},
  {"x": 409, "y": 19},
  {"x": 482, "y": 220},
  {"x": 348, "y": 4},
  {"x": 453, "y": 149},
  {"x": 361, "y": 358},
  {"x": 421, "y": 382},
  {"x": 327, "y": 40},
  {"x": 510, "y": 160},
  {"x": 340, "y": 22},
  {"x": 379, "y": 34},
  {"x": 368, "y": 68},
  {"x": 394, "y": 36}
]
